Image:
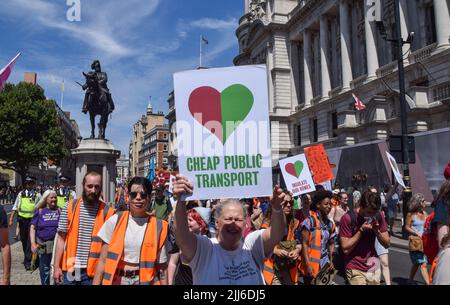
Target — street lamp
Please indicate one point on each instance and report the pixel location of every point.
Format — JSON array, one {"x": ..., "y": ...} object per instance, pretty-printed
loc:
[{"x": 399, "y": 42}]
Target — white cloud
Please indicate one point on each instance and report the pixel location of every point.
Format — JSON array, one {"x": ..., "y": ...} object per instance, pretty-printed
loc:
[
  {"x": 137, "y": 63},
  {"x": 214, "y": 24}
]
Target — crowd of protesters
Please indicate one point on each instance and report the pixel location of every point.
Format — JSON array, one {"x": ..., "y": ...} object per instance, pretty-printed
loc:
[{"x": 149, "y": 236}]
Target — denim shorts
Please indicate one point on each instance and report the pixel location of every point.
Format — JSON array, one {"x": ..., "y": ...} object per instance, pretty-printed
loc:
[{"x": 418, "y": 258}]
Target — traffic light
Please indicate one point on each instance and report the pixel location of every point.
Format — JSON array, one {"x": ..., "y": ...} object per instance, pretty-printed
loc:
[{"x": 395, "y": 148}]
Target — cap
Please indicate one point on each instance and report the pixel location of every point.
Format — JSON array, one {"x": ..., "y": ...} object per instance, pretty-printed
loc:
[
  {"x": 30, "y": 179},
  {"x": 204, "y": 213},
  {"x": 447, "y": 171},
  {"x": 64, "y": 178}
]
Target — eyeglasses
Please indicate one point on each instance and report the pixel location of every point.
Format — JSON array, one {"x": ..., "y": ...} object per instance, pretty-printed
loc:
[{"x": 134, "y": 195}]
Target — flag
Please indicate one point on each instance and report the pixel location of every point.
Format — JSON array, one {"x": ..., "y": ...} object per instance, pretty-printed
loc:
[
  {"x": 359, "y": 105},
  {"x": 297, "y": 205},
  {"x": 6, "y": 71},
  {"x": 151, "y": 171},
  {"x": 204, "y": 40}
]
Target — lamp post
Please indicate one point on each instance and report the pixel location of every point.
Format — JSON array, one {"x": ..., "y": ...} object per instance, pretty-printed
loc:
[
  {"x": 399, "y": 42},
  {"x": 403, "y": 114}
]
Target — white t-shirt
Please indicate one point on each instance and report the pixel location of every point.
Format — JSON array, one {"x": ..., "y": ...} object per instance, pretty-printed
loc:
[
  {"x": 134, "y": 235},
  {"x": 212, "y": 265},
  {"x": 441, "y": 274}
]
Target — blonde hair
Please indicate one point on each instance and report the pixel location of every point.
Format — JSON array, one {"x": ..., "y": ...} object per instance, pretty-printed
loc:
[
  {"x": 43, "y": 201},
  {"x": 416, "y": 202},
  {"x": 224, "y": 202}
]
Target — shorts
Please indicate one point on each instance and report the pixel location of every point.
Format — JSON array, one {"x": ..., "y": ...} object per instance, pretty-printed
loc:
[
  {"x": 380, "y": 249},
  {"x": 392, "y": 214},
  {"x": 357, "y": 277},
  {"x": 418, "y": 258}
]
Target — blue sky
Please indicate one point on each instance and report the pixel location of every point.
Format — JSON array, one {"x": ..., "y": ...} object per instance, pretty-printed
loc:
[{"x": 140, "y": 44}]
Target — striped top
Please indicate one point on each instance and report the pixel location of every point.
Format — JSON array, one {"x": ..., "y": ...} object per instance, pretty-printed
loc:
[{"x": 87, "y": 221}]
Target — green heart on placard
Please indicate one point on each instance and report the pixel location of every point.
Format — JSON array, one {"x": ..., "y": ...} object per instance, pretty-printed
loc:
[
  {"x": 236, "y": 101},
  {"x": 298, "y": 165}
]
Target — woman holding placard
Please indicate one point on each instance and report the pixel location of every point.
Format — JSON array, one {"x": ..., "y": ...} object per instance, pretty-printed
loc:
[{"x": 229, "y": 260}]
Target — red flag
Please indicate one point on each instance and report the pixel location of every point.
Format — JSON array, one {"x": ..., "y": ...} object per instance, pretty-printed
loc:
[
  {"x": 6, "y": 72},
  {"x": 358, "y": 103}
]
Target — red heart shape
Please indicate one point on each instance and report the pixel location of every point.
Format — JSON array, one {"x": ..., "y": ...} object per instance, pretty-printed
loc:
[
  {"x": 205, "y": 107},
  {"x": 290, "y": 169}
]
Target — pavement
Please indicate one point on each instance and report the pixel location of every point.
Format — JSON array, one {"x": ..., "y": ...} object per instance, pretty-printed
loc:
[{"x": 19, "y": 276}]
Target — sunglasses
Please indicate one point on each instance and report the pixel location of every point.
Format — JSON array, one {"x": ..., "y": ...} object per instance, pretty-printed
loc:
[{"x": 134, "y": 195}]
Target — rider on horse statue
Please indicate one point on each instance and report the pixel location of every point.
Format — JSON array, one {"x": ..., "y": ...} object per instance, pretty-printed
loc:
[{"x": 97, "y": 100}]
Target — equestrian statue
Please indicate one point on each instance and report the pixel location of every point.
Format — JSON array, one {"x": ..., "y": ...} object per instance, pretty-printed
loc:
[{"x": 97, "y": 99}]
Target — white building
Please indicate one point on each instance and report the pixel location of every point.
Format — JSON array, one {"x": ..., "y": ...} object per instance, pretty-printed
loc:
[
  {"x": 122, "y": 167},
  {"x": 319, "y": 52}
]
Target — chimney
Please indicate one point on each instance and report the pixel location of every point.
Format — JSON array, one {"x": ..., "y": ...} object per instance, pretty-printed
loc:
[{"x": 30, "y": 78}]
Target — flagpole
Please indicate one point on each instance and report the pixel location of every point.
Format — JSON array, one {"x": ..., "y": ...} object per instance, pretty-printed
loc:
[
  {"x": 62, "y": 94},
  {"x": 200, "y": 51}
]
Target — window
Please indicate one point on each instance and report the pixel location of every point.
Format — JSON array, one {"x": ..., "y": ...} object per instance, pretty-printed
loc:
[
  {"x": 334, "y": 124},
  {"x": 430, "y": 24},
  {"x": 165, "y": 147},
  {"x": 315, "y": 131},
  {"x": 165, "y": 136},
  {"x": 299, "y": 135}
]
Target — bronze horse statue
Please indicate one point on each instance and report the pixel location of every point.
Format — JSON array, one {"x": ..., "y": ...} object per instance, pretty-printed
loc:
[{"x": 97, "y": 100}]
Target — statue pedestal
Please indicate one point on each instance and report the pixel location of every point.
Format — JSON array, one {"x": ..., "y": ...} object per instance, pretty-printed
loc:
[{"x": 100, "y": 156}]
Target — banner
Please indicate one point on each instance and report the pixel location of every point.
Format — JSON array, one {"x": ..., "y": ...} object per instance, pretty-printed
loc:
[
  {"x": 6, "y": 71},
  {"x": 296, "y": 175},
  {"x": 223, "y": 131},
  {"x": 318, "y": 163},
  {"x": 398, "y": 176}
]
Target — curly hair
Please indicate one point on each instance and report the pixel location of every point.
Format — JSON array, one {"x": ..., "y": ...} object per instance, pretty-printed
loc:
[{"x": 415, "y": 203}]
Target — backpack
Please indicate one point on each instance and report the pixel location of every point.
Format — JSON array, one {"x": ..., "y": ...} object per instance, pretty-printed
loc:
[{"x": 429, "y": 238}]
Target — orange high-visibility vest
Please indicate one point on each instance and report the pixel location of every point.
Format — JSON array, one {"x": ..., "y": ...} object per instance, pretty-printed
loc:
[
  {"x": 70, "y": 249},
  {"x": 433, "y": 268},
  {"x": 154, "y": 239},
  {"x": 268, "y": 271},
  {"x": 314, "y": 245},
  {"x": 122, "y": 196}
]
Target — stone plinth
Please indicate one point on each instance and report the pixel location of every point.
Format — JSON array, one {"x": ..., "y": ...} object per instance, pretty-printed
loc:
[{"x": 100, "y": 156}]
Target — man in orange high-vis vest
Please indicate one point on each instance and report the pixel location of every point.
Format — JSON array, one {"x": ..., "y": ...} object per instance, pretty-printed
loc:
[
  {"x": 121, "y": 200},
  {"x": 77, "y": 245}
]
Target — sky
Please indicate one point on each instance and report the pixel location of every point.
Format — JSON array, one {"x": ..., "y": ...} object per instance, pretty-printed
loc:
[{"x": 140, "y": 44}]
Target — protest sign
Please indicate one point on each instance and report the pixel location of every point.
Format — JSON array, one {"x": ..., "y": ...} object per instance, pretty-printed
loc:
[
  {"x": 296, "y": 175},
  {"x": 318, "y": 163},
  {"x": 223, "y": 131},
  {"x": 395, "y": 169}
]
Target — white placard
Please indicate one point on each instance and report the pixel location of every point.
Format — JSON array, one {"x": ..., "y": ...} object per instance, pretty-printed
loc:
[
  {"x": 394, "y": 167},
  {"x": 223, "y": 133},
  {"x": 296, "y": 175}
]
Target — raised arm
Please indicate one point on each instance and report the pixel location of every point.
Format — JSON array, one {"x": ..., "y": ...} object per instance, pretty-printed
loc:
[
  {"x": 186, "y": 240},
  {"x": 273, "y": 235}
]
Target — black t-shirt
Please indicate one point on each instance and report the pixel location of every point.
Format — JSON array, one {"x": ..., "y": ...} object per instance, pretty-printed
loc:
[
  {"x": 3, "y": 218},
  {"x": 440, "y": 213}
]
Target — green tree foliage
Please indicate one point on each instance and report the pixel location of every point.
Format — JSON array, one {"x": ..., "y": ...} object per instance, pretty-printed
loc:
[{"x": 29, "y": 129}]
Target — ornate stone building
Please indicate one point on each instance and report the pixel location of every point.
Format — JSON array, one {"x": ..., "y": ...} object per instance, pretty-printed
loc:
[
  {"x": 319, "y": 52},
  {"x": 140, "y": 128}
]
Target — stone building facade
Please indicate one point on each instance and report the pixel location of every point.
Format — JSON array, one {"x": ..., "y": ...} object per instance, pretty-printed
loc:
[
  {"x": 140, "y": 128},
  {"x": 156, "y": 147},
  {"x": 320, "y": 52}
]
